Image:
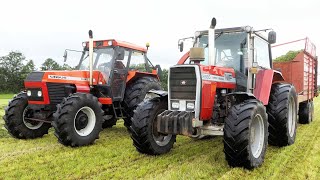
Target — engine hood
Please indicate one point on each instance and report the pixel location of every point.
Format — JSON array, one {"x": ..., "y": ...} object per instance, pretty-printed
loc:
[{"x": 72, "y": 77}]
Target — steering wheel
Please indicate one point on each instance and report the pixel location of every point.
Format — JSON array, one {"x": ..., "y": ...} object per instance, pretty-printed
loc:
[{"x": 227, "y": 58}]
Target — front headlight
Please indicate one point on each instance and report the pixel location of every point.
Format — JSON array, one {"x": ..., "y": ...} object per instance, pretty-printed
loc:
[
  {"x": 28, "y": 93},
  {"x": 190, "y": 105},
  {"x": 39, "y": 93},
  {"x": 175, "y": 105}
]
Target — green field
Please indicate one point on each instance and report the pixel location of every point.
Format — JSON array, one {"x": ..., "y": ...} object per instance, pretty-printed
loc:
[{"x": 113, "y": 156}]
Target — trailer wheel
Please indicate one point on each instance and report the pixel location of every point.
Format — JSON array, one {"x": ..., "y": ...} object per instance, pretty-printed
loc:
[
  {"x": 282, "y": 114},
  {"x": 78, "y": 120},
  {"x": 136, "y": 92},
  {"x": 16, "y": 121},
  {"x": 246, "y": 134},
  {"x": 306, "y": 112},
  {"x": 109, "y": 121},
  {"x": 144, "y": 133}
]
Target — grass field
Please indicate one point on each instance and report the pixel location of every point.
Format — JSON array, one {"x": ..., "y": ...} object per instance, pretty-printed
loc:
[{"x": 113, "y": 156}]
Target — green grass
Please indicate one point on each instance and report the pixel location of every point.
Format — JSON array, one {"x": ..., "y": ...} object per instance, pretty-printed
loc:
[{"x": 113, "y": 156}]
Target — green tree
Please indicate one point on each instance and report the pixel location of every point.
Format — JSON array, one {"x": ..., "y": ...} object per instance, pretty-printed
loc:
[
  {"x": 164, "y": 79},
  {"x": 13, "y": 71},
  {"x": 50, "y": 64}
]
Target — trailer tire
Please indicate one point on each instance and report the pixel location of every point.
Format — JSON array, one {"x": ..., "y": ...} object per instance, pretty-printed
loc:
[
  {"x": 143, "y": 132},
  {"x": 245, "y": 136},
  {"x": 15, "y": 123},
  {"x": 306, "y": 112},
  {"x": 78, "y": 120},
  {"x": 282, "y": 114},
  {"x": 135, "y": 94},
  {"x": 109, "y": 121}
]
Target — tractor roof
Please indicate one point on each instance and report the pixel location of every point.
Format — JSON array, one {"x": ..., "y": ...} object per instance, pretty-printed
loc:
[{"x": 105, "y": 43}]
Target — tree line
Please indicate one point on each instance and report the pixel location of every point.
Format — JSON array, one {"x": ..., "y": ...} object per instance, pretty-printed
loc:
[{"x": 14, "y": 69}]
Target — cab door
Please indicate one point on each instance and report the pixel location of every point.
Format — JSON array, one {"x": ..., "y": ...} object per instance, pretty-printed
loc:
[{"x": 119, "y": 75}]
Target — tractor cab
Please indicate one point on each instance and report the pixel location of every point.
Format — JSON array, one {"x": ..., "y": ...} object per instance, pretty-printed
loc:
[
  {"x": 117, "y": 62},
  {"x": 240, "y": 48}
]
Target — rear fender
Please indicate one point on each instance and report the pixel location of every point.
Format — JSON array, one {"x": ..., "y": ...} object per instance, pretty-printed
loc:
[{"x": 264, "y": 81}]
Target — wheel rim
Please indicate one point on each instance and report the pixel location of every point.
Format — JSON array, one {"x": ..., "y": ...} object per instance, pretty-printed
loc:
[
  {"x": 291, "y": 117},
  {"x": 159, "y": 138},
  {"x": 257, "y": 135},
  {"x": 84, "y": 121},
  {"x": 30, "y": 124}
]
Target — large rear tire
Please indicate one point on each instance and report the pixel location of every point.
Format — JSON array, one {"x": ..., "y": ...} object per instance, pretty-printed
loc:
[
  {"x": 17, "y": 124},
  {"x": 282, "y": 114},
  {"x": 306, "y": 112},
  {"x": 78, "y": 120},
  {"x": 135, "y": 94},
  {"x": 144, "y": 133},
  {"x": 246, "y": 134}
]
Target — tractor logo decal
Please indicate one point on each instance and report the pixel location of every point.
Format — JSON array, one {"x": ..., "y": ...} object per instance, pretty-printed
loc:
[
  {"x": 67, "y": 78},
  {"x": 183, "y": 82},
  {"x": 227, "y": 78}
]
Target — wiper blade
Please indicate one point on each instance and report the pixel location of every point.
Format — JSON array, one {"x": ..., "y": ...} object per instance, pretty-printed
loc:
[{"x": 218, "y": 35}]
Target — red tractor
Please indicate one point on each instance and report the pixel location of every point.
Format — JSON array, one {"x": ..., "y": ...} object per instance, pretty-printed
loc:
[
  {"x": 107, "y": 85},
  {"x": 224, "y": 85}
]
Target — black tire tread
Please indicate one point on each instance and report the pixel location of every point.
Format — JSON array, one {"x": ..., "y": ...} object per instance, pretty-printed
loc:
[
  {"x": 140, "y": 134},
  {"x": 14, "y": 123},
  {"x": 135, "y": 93},
  {"x": 277, "y": 114},
  {"x": 236, "y": 138},
  {"x": 62, "y": 118}
]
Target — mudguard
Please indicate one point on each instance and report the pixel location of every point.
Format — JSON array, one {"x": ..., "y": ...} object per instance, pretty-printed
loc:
[{"x": 157, "y": 94}]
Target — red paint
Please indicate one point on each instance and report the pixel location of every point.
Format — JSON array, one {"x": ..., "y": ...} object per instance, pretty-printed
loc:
[
  {"x": 118, "y": 43},
  {"x": 82, "y": 88},
  {"x": 208, "y": 92},
  {"x": 107, "y": 101},
  {"x": 301, "y": 72},
  {"x": 263, "y": 85},
  {"x": 207, "y": 99},
  {"x": 184, "y": 58},
  {"x": 44, "y": 88}
]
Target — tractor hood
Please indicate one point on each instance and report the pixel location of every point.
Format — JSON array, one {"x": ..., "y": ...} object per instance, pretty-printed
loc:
[{"x": 70, "y": 77}]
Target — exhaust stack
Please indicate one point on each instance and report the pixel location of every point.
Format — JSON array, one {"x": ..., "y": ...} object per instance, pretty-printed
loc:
[
  {"x": 90, "y": 57},
  {"x": 211, "y": 41}
]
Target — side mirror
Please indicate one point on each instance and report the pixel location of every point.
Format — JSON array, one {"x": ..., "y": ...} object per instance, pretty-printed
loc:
[
  {"x": 120, "y": 54},
  {"x": 180, "y": 45},
  {"x": 65, "y": 56},
  {"x": 272, "y": 37}
]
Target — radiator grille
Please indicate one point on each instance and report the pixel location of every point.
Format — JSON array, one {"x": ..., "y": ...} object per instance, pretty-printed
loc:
[
  {"x": 56, "y": 92},
  {"x": 183, "y": 82}
]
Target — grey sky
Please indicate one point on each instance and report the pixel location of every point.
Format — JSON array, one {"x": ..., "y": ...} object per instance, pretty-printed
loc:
[{"x": 43, "y": 29}]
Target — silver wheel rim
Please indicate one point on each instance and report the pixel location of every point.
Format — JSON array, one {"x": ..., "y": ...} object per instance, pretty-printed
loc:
[
  {"x": 291, "y": 117},
  {"x": 257, "y": 135},
  {"x": 90, "y": 124},
  {"x": 28, "y": 124}
]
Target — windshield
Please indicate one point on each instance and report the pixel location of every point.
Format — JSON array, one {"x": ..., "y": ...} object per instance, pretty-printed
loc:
[
  {"x": 101, "y": 59},
  {"x": 230, "y": 48}
]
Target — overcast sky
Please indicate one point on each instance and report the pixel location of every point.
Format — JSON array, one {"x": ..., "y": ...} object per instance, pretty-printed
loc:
[{"x": 43, "y": 29}]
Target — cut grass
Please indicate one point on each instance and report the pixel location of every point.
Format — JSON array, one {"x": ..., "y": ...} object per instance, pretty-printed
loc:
[{"x": 113, "y": 156}]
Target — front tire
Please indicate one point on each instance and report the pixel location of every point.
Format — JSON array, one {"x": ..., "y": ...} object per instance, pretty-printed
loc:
[
  {"x": 246, "y": 134},
  {"x": 144, "y": 133},
  {"x": 16, "y": 121},
  {"x": 78, "y": 120},
  {"x": 282, "y": 114},
  {"x": 135, "y": 94}
]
